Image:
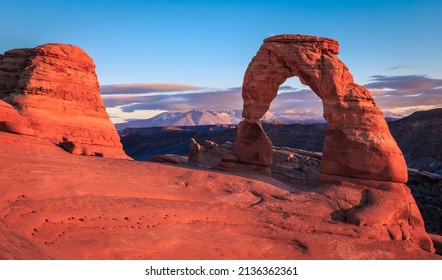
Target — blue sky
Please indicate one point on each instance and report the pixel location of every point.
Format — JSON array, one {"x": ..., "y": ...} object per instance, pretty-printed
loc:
[{"x": 208, "y": 44}]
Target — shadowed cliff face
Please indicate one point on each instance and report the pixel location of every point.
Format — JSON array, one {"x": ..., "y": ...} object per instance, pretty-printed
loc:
[
  {"x": 357, "y": 144},
  {"x": 55, "y": 88},
  {"x": 419, "y": 136}
]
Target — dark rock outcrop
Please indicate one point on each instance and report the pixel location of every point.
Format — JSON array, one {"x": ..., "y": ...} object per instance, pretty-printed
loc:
[{"x": 419, "y": 137}]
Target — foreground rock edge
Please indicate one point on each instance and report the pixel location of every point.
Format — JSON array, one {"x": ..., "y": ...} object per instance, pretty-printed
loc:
[{"x": 56, "y": 220}]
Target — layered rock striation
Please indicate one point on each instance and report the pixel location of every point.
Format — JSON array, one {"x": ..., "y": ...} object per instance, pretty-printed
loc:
[
  {"x": 55, "y": 88},
  {"x": 358, "y": 147}
]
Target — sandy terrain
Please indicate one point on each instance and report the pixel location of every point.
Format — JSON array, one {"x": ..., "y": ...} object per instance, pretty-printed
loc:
[{"x": 54, "y": 205}]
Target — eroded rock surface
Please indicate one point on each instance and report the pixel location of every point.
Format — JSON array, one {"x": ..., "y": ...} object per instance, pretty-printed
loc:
[{"x": 55, "y": 88}]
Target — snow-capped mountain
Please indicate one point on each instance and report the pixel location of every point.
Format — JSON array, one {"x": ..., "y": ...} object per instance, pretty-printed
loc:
[
  {"x": 211, "y": 117},
  {"x": 189, "y": 118},
  {"x": 296, "y": 117}
]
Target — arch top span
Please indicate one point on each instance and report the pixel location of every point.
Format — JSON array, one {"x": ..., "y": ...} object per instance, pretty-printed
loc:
[{"x": 327, "y": 44}]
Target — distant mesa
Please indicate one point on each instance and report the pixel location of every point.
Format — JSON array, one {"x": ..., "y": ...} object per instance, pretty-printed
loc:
[{"x": 54, "y": 91}]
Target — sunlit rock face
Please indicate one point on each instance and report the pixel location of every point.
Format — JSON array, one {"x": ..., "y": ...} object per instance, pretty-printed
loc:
[
  {"x": 55, "y": 88},
  {"x": 358, "y": 143}
]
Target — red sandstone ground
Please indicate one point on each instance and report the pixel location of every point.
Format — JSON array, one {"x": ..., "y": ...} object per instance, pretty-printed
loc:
[{"x": 55, "y": 205}]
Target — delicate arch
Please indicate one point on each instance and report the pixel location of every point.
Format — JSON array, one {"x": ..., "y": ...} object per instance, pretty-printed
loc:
[{"x": 358, "y": 142}]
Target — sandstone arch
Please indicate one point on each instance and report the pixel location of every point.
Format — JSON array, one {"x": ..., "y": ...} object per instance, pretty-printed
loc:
[
  {"x": 358, "y": 143},
  {"x": 361, "y": 161}
]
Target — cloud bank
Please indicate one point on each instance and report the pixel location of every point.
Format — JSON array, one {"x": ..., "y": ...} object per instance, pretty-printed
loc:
[
  {"x": 401, "y": 66},
  {"x": 144, "y": 88},
  {"x": 395, "y": 95},
  {"x": 403, "y": 95}
]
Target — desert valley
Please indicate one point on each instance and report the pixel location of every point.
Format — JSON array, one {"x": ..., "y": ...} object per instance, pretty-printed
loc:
[{"x": 70, "y": 190}]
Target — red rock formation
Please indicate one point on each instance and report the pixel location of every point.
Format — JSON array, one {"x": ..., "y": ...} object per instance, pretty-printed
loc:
[
  {"x": 255, "y": 146},
  {"x": 55, "y": 87},
  {"x": 358, "y": 142},
  {"x": 358, "y": 146}
]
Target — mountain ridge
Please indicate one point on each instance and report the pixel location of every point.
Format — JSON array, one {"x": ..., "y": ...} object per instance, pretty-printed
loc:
[{"x": 197, "y": 117}]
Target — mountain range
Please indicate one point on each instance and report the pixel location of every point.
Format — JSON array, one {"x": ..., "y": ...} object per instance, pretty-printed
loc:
[{"x": 212, "y": 117}]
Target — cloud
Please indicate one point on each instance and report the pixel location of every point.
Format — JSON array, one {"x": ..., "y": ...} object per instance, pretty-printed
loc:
[
  {"x": 144, "y": 88},
  {"x": 286, "y": 88},
  {"x": 406, "y": 94},
  {"x": 400, "y": 86},
  {"x": 124, "y": 94},
  {"x": 217, "y": 99},
  {"x": 404, "y": 83},
  {"x": 401, "y": 66},
  {"x": 120, "y": 100}
]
